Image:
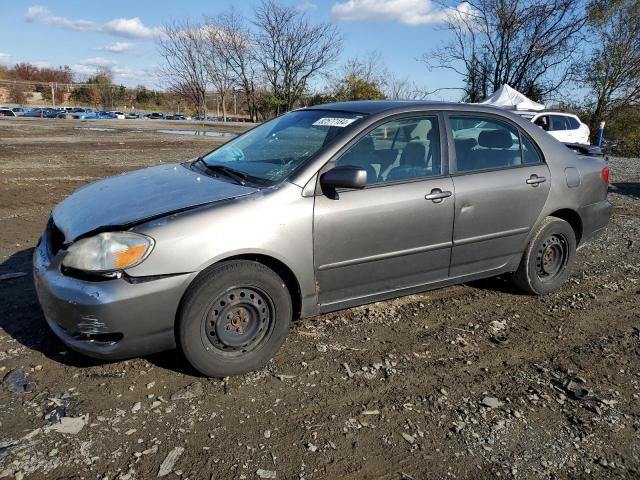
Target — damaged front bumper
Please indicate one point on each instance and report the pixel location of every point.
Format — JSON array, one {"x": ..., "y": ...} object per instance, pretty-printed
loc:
[{"x": 112, "y": 318}]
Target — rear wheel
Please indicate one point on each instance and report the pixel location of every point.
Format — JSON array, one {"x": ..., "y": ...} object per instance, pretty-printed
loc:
[
  {"x": 548, "y": 259},
  {"x": 234, "y": 318}
]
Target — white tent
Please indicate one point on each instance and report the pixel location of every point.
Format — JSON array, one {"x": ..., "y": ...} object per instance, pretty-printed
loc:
[{"x": 507, "y": 97}]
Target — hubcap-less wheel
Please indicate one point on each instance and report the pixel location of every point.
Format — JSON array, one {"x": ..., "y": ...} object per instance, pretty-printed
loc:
[
  {"x": 552, "y": 257},
  {"x": 239, "y": 320}
]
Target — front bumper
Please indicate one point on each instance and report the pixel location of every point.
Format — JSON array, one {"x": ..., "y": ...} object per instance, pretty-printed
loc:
[
  {"x": 109, "y": 319},
  {"x": 595, "y": 218}
]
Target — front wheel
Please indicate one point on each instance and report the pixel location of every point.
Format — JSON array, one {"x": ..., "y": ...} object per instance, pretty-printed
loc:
[
  {"x": 234, "y": 318},
  {"x": 548, "y": 259}
]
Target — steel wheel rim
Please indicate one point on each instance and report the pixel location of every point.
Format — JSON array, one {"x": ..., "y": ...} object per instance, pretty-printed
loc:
[
  {"x": 552, "y": 257},
  {"x": 238, "y": 321}
]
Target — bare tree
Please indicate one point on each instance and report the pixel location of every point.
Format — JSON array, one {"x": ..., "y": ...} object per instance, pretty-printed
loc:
[
  {"x": 402, "y": 88},
  {"x": 613, "y": 72},
  {"x": 235, "y": 47},
  {"x": 183, "y": 68},
  {"x": 370, "y": 68},
  {"x": 291, "y": 50},
  {"x": 528, "y": 44},
  {"x": 215, "y": 61}
]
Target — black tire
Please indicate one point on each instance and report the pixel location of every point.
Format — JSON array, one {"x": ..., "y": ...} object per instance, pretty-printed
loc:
[
  {"x": 234, "y": 318},
  {"x": 548, "y": 259}
]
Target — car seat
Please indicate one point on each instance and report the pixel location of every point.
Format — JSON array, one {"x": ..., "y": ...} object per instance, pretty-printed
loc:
[
  {"x": 464, "y": 153},
  {"x": 412, "y": 163},
  {"x": 362, "y": 155},
  {"x": 496, "y": 150}
]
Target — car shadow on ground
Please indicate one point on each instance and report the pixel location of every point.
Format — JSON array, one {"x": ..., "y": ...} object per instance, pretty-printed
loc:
[
  {"x": 629, "y": 189},
  {"x": 501, "y": 284},
  {"x": 22, "y": 319}
]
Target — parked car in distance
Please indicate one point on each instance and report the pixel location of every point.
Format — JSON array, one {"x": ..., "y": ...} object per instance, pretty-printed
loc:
[
  {"x": 566, "y": 127},
  {"x": 176, "y": 116},
  {"x": 19, "y": 111},
  {"x": 208, "y": 118},
  {"x": 56, "y": 113},
  {"x": 155, "y": 116},
  {"x": 36, "y": 113},
  {"x": 132, "y": 116},
  {"x": 117, "y": 114},
  {"x": 320, "y": 209},
  {"x": 7, "y": 112},
  {"x": 84, "y": 114}
]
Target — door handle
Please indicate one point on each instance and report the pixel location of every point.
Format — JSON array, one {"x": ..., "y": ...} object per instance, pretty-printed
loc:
[
  {"x": 437, "y": 195},
  {"x": 535, "y": 180}
]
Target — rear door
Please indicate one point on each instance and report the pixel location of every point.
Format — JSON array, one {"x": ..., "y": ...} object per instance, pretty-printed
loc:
[{"x": 501, "y": 185}]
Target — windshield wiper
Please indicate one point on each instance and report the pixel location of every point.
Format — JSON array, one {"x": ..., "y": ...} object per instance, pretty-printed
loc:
[{"x": 235, "y": 175}]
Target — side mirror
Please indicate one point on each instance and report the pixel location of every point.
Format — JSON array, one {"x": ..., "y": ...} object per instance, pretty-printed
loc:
[{"x": 344, "y": 177}]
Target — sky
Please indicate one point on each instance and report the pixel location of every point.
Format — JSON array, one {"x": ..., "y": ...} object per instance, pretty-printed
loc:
[{"x": 120, "y": 34}]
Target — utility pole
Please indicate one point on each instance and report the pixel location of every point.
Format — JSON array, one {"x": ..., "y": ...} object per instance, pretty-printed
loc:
[
  {"x": 235, "y": 105},
  {"x": 53, "y": 95}
]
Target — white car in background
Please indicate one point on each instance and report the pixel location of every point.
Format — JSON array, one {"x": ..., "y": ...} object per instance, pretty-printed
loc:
[
  {"x": 119, "y": 115},
  {"x": 566, "y": 127}
]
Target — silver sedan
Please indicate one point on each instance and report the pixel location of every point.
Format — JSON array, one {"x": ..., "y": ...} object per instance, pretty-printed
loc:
[{"x": 320, "y": 209}]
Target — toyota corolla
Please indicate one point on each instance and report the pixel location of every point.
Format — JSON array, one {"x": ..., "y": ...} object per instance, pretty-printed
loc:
[{"x": 321, "y": 209}]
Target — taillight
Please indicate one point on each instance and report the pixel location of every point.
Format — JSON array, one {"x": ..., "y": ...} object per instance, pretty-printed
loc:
[{"x": 604, "y": 173}]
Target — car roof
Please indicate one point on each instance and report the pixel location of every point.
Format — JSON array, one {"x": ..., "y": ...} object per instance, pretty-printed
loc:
[
  {"x": 372, "y": 107},
  {"x": 543, "y": 112}
]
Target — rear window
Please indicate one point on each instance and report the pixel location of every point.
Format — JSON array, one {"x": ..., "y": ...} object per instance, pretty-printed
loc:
[{"x": 573, "y": 123}]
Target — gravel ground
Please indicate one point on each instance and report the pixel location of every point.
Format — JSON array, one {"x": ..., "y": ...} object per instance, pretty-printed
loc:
[{"x": 473, "y": 381}]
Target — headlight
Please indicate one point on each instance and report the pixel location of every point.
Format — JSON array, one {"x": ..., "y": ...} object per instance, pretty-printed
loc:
[{"x": 108, "y": 252}]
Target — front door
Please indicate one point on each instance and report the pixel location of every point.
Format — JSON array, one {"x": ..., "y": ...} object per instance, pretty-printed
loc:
[
  {"x": 501, "y": 185},
  {"x": 396, "y": 232}
]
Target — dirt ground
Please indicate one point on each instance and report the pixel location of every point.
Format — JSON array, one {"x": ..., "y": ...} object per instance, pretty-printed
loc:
[{"x": 475, "y": 381}]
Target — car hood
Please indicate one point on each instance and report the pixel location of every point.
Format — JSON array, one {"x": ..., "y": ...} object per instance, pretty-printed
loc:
[{"x": 133, "y": 197}]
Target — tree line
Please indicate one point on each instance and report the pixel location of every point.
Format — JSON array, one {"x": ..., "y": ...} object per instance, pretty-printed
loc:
[
  {"x": 97, "y": 90},
  {"x": 547, "y": 49},
  {"x": 270, "y": 59},
  {"x": 587, "y": 51},
  {"x": 41, "y": 77}
]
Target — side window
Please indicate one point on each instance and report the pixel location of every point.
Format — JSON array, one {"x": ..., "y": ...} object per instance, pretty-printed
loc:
[
  {"x": 558, "y": 122},
  {"x": 530, "y": 154},
  {"x": 398, "y": 150},
  {"x": 483, "y": 144},
  {"x": 543, "y": 122}
]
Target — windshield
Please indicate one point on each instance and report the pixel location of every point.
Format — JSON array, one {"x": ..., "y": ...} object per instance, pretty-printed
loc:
[{"x": 271, "y": 151}]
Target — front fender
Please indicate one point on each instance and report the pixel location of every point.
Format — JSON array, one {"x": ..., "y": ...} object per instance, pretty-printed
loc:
[{"x": 275, "y": 223}]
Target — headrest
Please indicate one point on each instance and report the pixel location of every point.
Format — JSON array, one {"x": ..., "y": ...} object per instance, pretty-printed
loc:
[
  {"x": 495, "y": 139},
  {"x": 465, "y": 143},
  {"x": 364, "y": 146},
  {"x": 414, "y": 154}
]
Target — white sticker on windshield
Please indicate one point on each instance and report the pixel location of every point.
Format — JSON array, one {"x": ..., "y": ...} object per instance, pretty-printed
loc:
[{"x": 333, "y": 122}]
